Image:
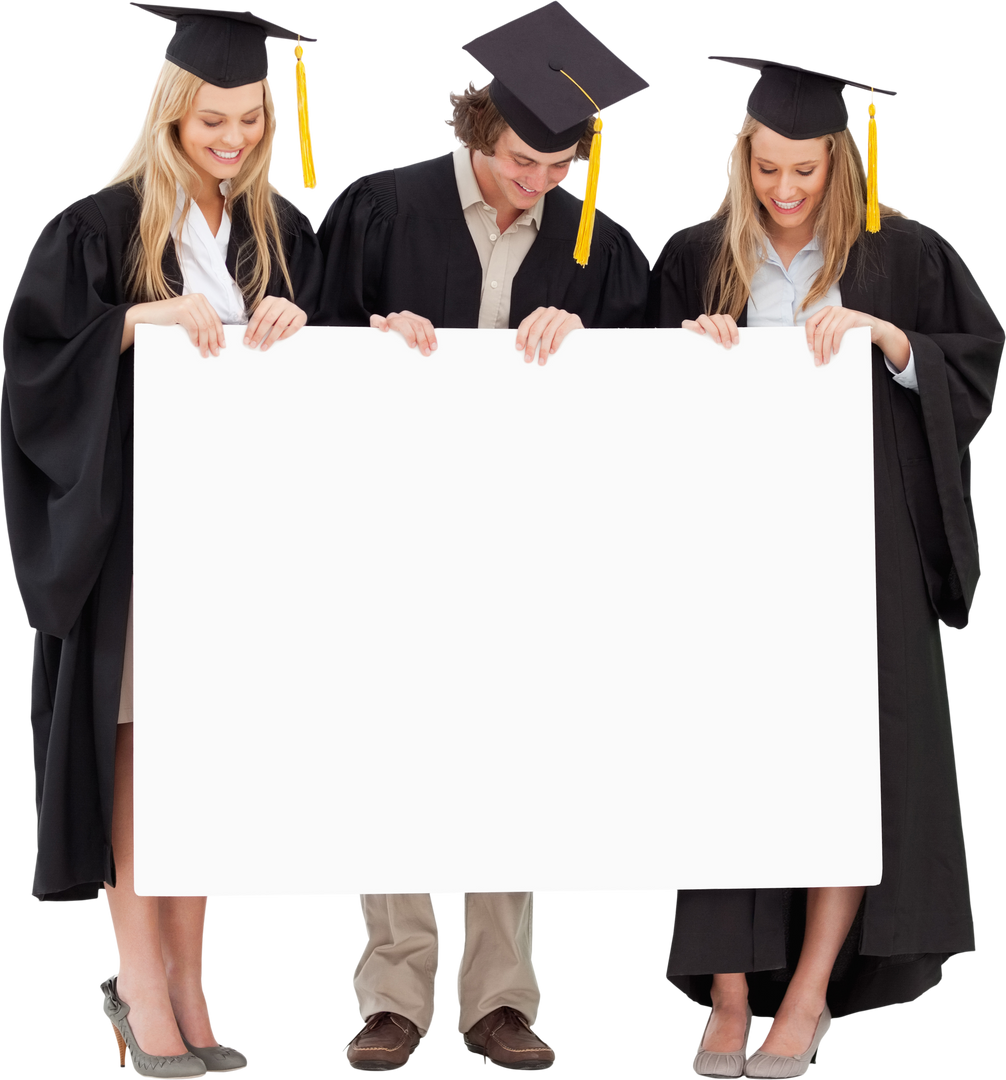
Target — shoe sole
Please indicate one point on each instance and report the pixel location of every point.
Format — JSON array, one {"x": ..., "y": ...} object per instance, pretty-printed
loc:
[
  {"x": 376, "y": 1066},
  {"x": 526, "y": 1066}
]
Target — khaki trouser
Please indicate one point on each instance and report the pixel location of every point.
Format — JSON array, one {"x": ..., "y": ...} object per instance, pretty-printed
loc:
[{"x": 399, "y": 963}]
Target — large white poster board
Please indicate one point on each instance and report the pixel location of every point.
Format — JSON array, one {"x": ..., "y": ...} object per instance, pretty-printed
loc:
[{"x": 461, "y": 623}]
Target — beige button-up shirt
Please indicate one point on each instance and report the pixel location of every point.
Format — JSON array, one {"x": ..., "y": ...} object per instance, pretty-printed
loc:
[{"x": 500, "y": 255}]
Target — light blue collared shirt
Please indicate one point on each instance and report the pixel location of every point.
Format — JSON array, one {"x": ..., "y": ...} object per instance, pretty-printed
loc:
[{"x": 778, "y": 292}]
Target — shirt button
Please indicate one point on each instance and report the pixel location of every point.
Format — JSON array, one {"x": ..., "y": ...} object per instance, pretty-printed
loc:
[
  {"x": 485, "y": 207},
  {"x": 492, "y": 236},
  {"x": 493, "y": 284}
]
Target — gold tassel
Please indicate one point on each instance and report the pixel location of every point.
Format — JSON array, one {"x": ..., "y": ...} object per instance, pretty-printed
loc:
[
  {"x": 872, "y": 198},
  {"x": 581, "y": 253},
  {"x": 307, "y": 160}
]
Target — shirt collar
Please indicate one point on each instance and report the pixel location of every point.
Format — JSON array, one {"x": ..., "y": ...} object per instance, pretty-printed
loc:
[
  {"x": 471, "y": 194},
  {"x": 769, "y": 253}
]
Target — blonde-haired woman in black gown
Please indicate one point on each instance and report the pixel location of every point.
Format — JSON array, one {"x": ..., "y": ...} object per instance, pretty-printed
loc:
[
  {"x": 190, "y": 233},
  {"x": 790, "y": 246}
]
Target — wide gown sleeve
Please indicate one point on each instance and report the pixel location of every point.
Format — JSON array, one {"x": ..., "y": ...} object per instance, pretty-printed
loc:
[
  {"x": 61, "y": 427},
  {"x": 354, "y": 240},
  {"x": 957, "y": 343}
]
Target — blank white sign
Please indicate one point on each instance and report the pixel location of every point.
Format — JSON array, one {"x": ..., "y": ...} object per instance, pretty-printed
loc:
[{"x": 461, "y": 623}]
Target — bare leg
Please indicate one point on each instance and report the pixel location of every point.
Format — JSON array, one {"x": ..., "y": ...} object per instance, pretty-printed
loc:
[
  {"x": 830, "y": 913},
  {"x": 725, "y": 1032},
  {"x": 152, "y": 933},
  {"x": 182, "y": 948}
]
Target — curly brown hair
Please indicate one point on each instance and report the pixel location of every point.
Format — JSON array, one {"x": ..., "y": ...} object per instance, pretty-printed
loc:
[{"x": 479, "y": 124}]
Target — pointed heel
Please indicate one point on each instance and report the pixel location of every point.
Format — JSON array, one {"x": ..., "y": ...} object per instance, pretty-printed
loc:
[
  {"x": 813, "y": 1060},
  {"x": 122, "y": 1047}
]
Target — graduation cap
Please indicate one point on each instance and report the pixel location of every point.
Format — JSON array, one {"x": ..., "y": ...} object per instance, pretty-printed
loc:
[
  {"x": 802, "y": 104},
  {"x": 551, "y": 75},
  {"x": 227, "y": 49}
]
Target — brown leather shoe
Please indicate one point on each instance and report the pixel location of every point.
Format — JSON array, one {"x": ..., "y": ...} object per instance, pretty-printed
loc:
[
  {"x": 385, "y": 1042},
  {"x": 506, "y": 1038}
]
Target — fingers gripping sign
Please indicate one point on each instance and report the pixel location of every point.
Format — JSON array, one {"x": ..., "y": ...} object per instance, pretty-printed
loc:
[
  {"x": 192, "y": 311},
  {"x": 722, "y": 329},
  {"x": 273, "y": 320},
  {"x": 203, "y": 324},
  {"x": 543, "y": 332},
  {"x": 417, "y": 331},
  {"x": 825, "y": 329}
]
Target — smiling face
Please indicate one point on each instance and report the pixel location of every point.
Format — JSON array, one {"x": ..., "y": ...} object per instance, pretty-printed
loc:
[
  {"x": 221, "y": 129},
  {"x": 789, "y": 178},
  {"x": 517, "y": 176}
]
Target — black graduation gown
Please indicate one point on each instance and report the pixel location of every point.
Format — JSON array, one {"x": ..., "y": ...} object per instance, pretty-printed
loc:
[
  {"x": 67, "y": 441},
  {"x": 398, "y": 241},
  {"x": 927, "y": 569}
]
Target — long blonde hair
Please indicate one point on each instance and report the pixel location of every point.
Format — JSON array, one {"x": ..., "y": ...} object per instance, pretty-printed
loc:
[
  {"x": 839, "y": 224},
  {"x": 157, "y": 164}
]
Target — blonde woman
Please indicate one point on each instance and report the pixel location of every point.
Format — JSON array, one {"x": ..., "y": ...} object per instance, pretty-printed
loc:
[
  {"x": 790, "y": 246},
  {"x": 190, "y": 232}
]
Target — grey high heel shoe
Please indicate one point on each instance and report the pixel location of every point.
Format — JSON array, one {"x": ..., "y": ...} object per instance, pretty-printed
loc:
[
  {"x": 145, "y": 1064},
  {"x": 217, "y": 1058},
  {"x": 782, "y": 1066},
  {"x": 714, "y": 1063}
]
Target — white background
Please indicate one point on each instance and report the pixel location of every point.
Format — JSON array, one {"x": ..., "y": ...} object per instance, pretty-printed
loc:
[{"x": 527, "y": 586}]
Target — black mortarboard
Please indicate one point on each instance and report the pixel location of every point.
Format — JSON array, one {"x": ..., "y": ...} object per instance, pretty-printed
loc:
[
  {"x": 797, "y": 103},
  {"x": 551, "y": 76},
  {"x": 225, "y": 48},
  {"x": 528, "y": 57},
  {"x": 229, "y": 46}
]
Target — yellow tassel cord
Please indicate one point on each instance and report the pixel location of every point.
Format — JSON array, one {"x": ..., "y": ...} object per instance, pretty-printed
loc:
[
  {"x": 305, "y": 132},
  {"x": 872, "y": 198},
  {"x": 581, "y": 253}
]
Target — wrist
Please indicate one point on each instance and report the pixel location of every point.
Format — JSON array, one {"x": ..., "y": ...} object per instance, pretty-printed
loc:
[
  {"x": 128, "y": 328},
  {"x": 894, "y": 344}
]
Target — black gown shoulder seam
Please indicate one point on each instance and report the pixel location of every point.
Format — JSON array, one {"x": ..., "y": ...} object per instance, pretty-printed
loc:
[
  {"x": 117, "y": 206},
  {"x": 377, "y": 194},
  {"x": 383, "y": 192}
]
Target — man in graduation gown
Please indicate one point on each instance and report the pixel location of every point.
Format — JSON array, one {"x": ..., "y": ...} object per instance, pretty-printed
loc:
[
  {"x": 927, "y": 571},
  {"x": 482, "y": 238}
]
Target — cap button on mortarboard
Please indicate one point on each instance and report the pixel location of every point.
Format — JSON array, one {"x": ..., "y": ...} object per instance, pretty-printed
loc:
[{"x": 556, "y": 65}]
